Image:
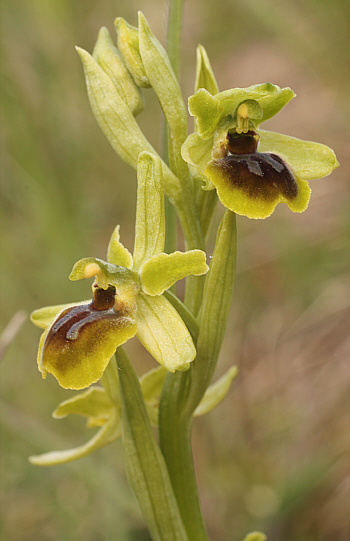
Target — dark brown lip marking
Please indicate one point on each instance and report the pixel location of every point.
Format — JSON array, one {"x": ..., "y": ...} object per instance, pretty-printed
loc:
[
  {"x": 79, "y": 330},
  {"x": 72, "y": 320},
  {"x": 259, "y": 175}
]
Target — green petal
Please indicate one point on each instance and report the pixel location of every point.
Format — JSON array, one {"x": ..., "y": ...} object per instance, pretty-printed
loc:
[
  {"x": 162, "y": 271},
  {"x": 76, "y": 349},
  {"x": 43, "y": 317},
  {"x": 128, "y": 45},
  {"x": 150, "y": 221},
  {"x": 108, "y": 433},
  {"x": 216, "y": 392},
  {"x": 205, "y": 77},
  {"x": 219, "y": 110},
  {"x": 308, "y": 160},
  {"x": 163, "y": 333},
  {"x": 117, "y": 253},
  {"x": 112, "y": 114},
  {"x": 207, "y": 111},
  {"x": 94, "y": 403},
  {"x": 108, "y": 57}
]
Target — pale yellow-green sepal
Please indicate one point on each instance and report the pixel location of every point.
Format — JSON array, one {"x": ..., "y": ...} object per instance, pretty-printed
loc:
[
  {"x": 198, "y": 152},
  {"x": 216, "y": 392},
  {"x": 162, "y": 271},
  {"x": 111, "y": 112},
  {"x": 107, "y": 433},
  {"x": 307, "y": 159},
  {"x": 255, "y": 536},
  {"x": 205, "y": 77},
  {"x": 108, "y": 57},
  {"x": 117, "y": 254},
  {"x": 128, "y": 45},
  {"x": 163, "y": 333},
  {"x": 150, "y": 220},
  {"x": 94, "y": 404},
  {"x": 44, "y": 317}
]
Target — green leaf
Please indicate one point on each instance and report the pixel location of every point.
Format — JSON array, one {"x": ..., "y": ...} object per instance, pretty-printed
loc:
[
  {"x": 216, "y": 392},
  {"x": 107, "y": 433},
  {"x": 92, "y": 403},
  {"x": 205, "y": 77},
  {"x": 162, "y": 271},
  {"x": 255, "y": 536},
  {"x": 128, "y": 45},
  {"x": 117, "y": 253},
  {"x": 108, "y": 57},
  {"x": 150, "y": 220},
  {"x": 145, "y": 465},
  {"x": 163, "y": 333},
  {"x": 308, "y": 160},
  {"x": 111, "y": 112}
]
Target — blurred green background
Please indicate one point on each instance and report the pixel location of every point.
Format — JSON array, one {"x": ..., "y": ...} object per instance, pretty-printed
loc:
[{"x": 272, "y": 456}]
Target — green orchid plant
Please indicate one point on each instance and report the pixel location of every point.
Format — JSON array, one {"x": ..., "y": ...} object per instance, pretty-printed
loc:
[{"x": 251, "y": 171}]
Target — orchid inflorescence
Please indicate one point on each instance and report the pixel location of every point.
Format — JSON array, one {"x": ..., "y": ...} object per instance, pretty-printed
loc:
[{"x": 227, "y": 158}]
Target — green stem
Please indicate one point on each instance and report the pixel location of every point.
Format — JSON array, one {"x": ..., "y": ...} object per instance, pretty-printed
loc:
[
  {"x": 175, "y": 442},
  {"x": 183, "y": 391},
  {"x": 173, "y": 45}
]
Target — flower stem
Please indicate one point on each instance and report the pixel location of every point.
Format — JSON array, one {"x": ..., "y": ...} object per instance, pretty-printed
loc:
[{"x": 173, "y": 46}]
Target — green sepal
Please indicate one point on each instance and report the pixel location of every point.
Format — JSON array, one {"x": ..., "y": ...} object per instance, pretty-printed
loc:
[
  {"x": 109, "y": 432},
  {"x": 44, "y": 317},
  {"x": 308, "y": 160},
  {"x": 117, "y": 254},
  {"x": 162, "y": 78},
  {"x": 146, "y": 469},
  {"x": 93, "y": 403},
  {"x": 255, "y": 536},
  {"x": 128, "y": 45},
  {"x": 108, "y": 57},
  {"x": 111, "y": 112},
  {"x": 216, "y": 392},
  {"x": 185, "y": 314},
  {"x": 213, "y": 112},
  {"x": 162, "y": 271},
  {"x": 205, "y": 77},
  {"x": 150, "y": 219},
  {"x": 163, "y": 333}
]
